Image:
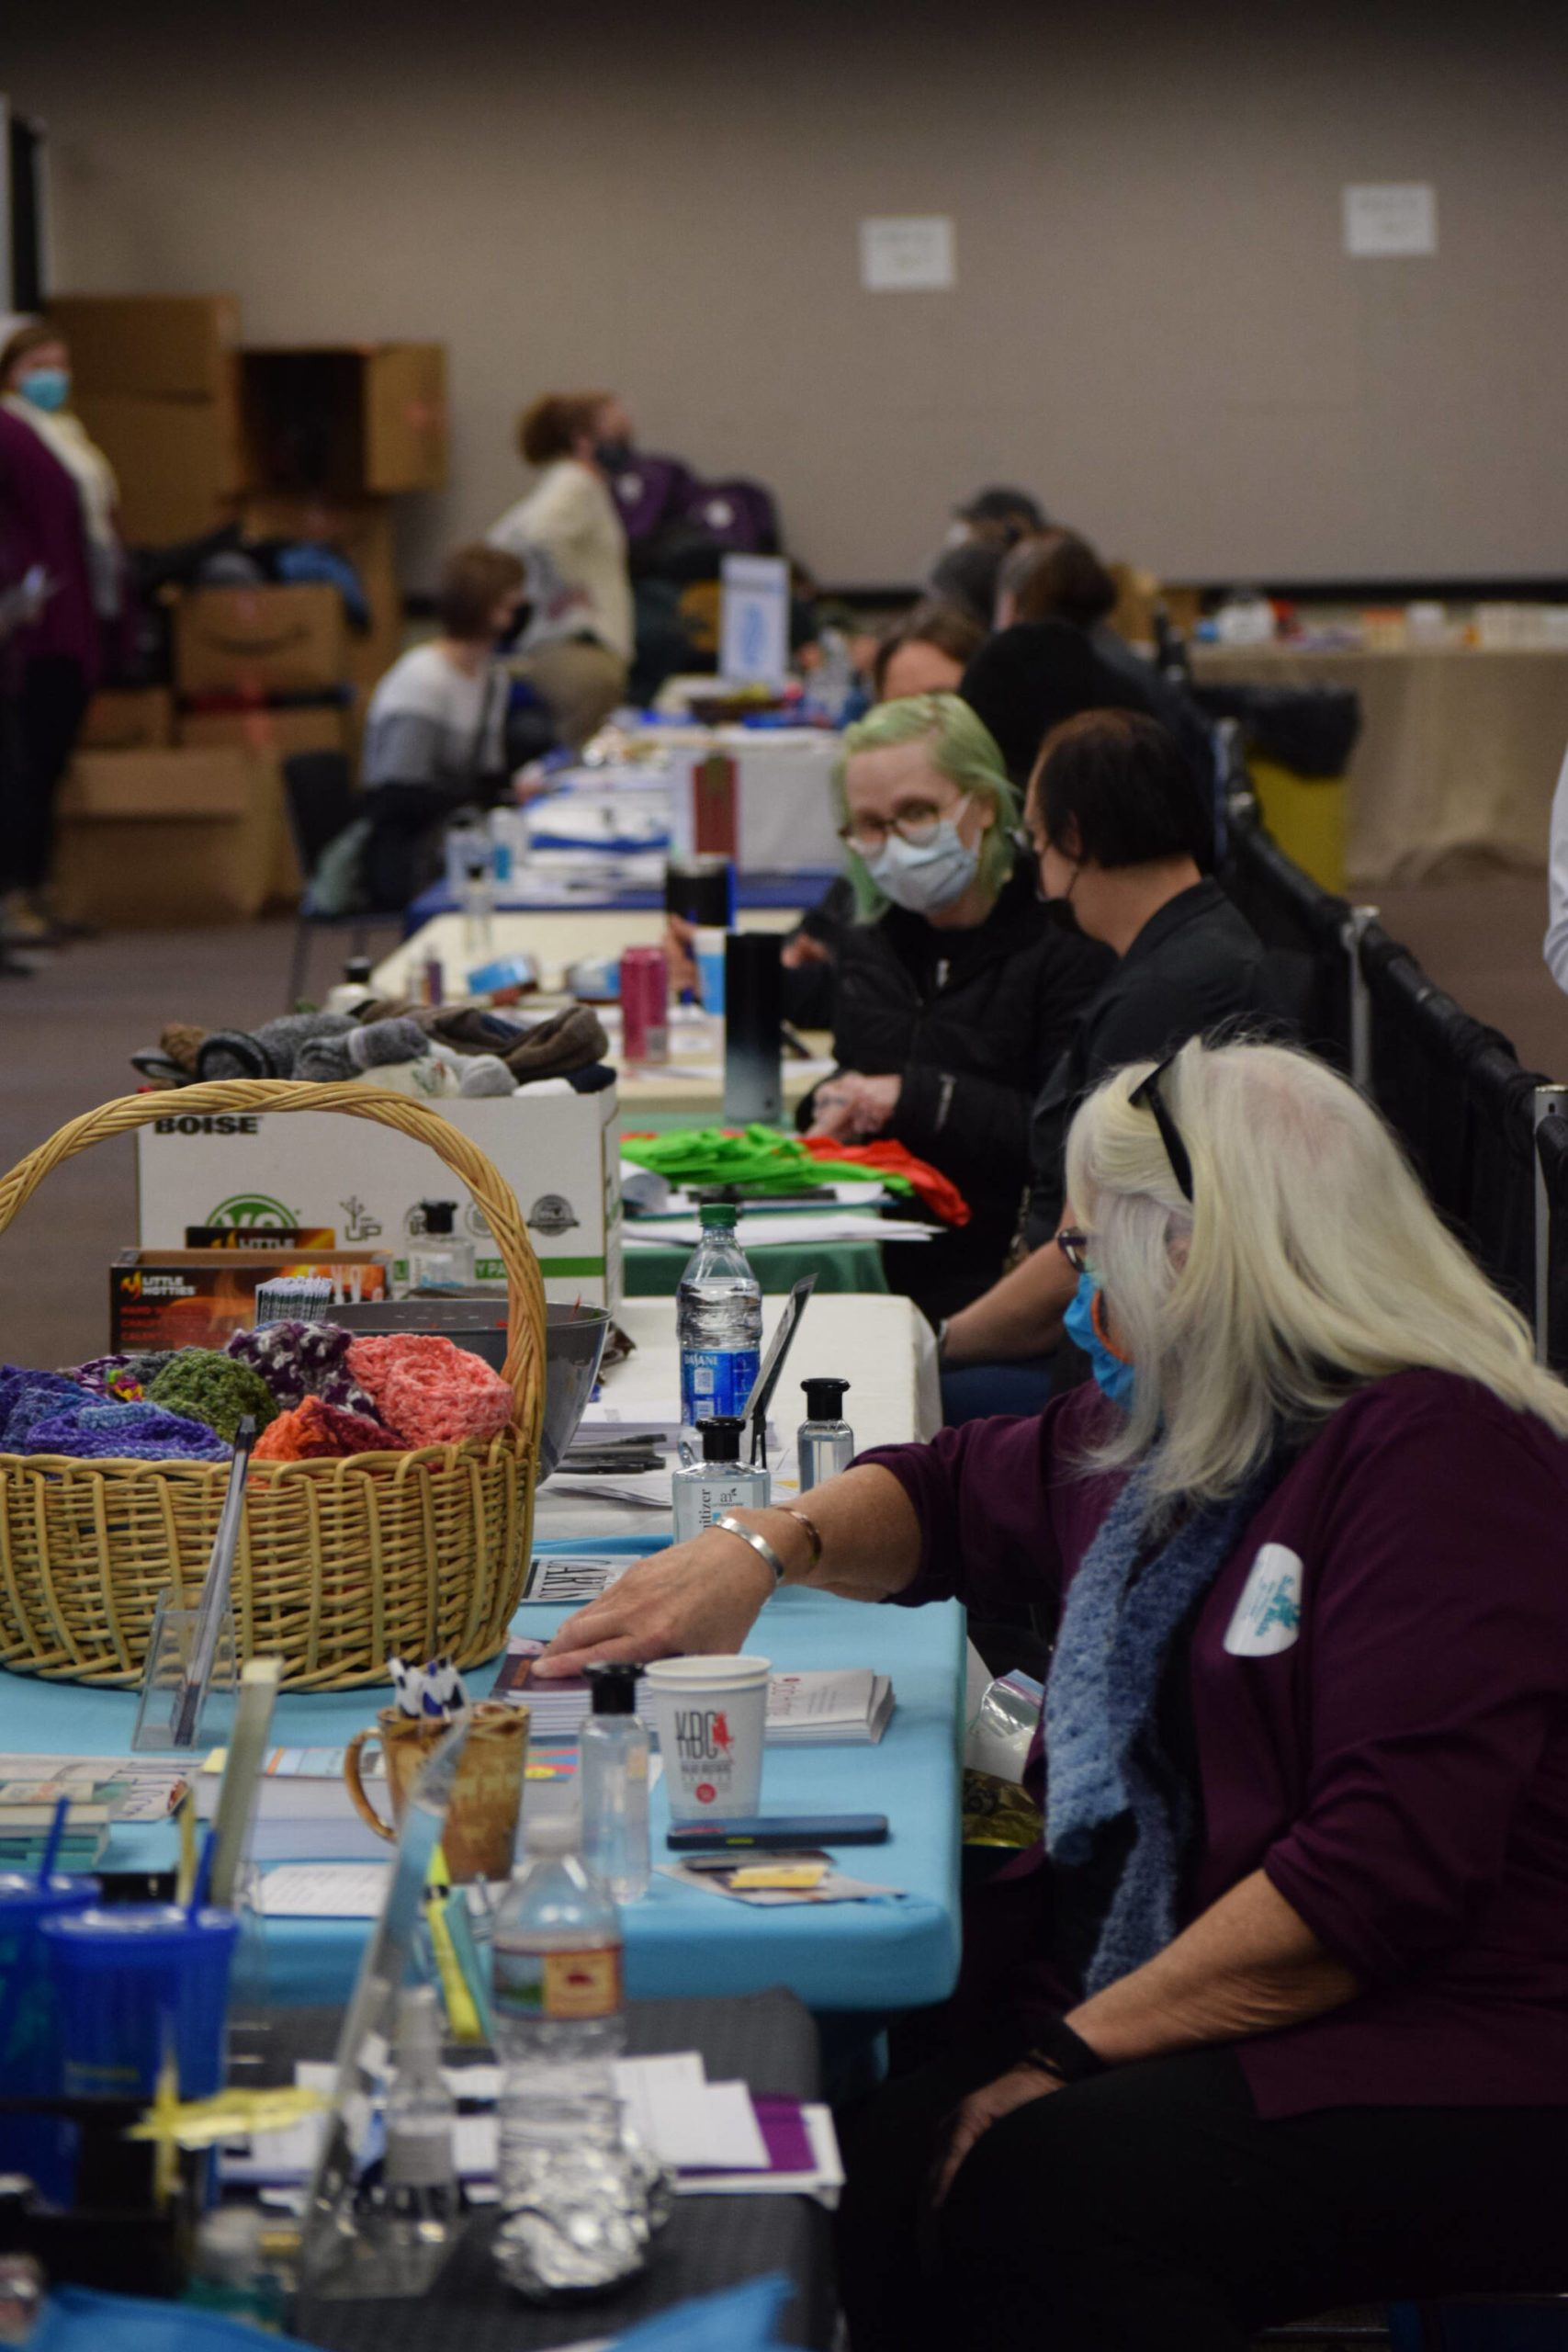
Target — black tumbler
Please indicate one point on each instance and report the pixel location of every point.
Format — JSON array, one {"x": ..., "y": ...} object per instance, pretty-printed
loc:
[
  {"x": 753, "y": 1014},
  {"x": 702, "y": 891}
]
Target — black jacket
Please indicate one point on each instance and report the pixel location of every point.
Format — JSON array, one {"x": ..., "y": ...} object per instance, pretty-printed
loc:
[
  {"x": 973, "y": 1021},
  {"x": 1196, "y": 965}
]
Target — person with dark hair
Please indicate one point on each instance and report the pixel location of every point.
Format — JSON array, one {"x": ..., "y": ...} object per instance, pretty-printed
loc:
[
  {"x": 59, "y": 523},
  {"x": 1028, "y": 678},
  {"x": 434, "y": 732},
  {"x": 1056, "y": 576},
  {"x": 926, "y": 653},
  {"x": 577, "y": 649},
  {"x": 1124, "y": 838},
  {"x": 1002, "y": 514}
]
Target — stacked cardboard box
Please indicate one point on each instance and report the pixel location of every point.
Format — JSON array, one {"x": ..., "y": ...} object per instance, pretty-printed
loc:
[
  {"x": 168, "y": 837},
  {"x": 157, "y": 385}
]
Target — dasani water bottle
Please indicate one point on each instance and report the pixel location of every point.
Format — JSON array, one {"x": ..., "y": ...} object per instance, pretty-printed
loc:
[{"x": 718, "y": 1322}]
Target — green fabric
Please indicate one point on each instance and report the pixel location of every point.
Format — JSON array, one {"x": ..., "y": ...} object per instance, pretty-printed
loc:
[
  {"x": 760, "y": 1155},
  {"x": 778, "y": 1266}
]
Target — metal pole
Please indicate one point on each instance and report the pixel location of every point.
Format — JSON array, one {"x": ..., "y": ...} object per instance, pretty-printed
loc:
[
  {"x": 1352, "y": 934},
  {"x": 1547, "y": 1102}
]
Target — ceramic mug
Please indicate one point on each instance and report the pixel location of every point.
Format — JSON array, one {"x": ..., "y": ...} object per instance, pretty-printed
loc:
[{"x": 480, "y": 1837}]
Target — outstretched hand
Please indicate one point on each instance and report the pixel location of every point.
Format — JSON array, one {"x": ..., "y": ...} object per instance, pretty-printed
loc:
[{"x": 699, "y": 1598}]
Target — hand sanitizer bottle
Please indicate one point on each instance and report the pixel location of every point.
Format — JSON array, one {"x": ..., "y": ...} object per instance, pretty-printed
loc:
[
  {"x": 719, "y": 1482},
  {"x": 825, "y": 1443},
  {"x": 440, "y": 1259},
  {"x": 612, "y": 1750}
]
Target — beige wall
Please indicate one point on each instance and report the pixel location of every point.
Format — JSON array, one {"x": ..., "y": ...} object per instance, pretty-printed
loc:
[{"x": 1154, "y": 325}]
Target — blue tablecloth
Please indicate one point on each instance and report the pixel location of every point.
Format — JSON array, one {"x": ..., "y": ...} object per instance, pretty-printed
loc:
[
  {"x": 894, "y": 1953},
  {"x": 801, "y": 890}
]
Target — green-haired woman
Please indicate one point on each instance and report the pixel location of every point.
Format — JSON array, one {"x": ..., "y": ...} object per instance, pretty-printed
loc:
[{"x": 955, "y": 989}]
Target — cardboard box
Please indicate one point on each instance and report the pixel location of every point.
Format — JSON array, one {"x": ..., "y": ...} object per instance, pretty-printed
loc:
[
  {"x": 169, "y": 838},
  {"x": 346, "y": 422},
  {"x": 177, "y": 461},
  {"x": 256, "y": 643},
  {"x": 166, "y": 345},
  {"x": 364, "y": 529},
  {"x": 199, "y": 1298},
  {"x": 559, "y": 1153},
  {"x": 127, "y": 718},
  {"x": 274, "y": 727}
]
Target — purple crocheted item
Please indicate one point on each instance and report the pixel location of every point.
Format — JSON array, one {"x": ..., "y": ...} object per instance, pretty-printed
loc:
[
  {"x": 300, "y": 1360},
  {"x": 36, "y": 1396},
  {"x": 104, "y": 1375},
  {"x": 121, "y": 1432}
]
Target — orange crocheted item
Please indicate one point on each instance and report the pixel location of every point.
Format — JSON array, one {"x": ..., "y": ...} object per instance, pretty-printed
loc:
[
  {"x": 314, "y": 1431},
  {"x": 941, "y": 1195},
  {"x": 437, "y": 1394}
]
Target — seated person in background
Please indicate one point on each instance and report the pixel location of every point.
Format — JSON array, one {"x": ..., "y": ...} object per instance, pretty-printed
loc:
[
  {"x": 957, "y": 993},
  {"x": 964, "y": 573},
  {"x": 926, "y": 653},
  {"x": 435, "y": 729},
  {"x": 577, "y": 647},
  {"x": 1126, "y": 841},
  {"x": 1056, "y": 576},
  {"x": 1276, "y": 2015},
  {"x": 1027, "y": 679}
]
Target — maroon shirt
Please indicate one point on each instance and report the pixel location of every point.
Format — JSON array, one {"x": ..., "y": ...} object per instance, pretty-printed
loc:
[
  {"x": 41, "y": 522},
  {"x": 1395, "y": 1759}
]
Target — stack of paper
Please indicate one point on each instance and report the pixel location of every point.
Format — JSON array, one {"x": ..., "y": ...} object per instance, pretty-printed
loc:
[
  {"x": 101, "y": 1793},
  {"x": 304, "y": 1812}
]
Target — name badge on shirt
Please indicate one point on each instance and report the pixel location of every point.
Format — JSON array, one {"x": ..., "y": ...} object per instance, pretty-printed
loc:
[{"x": 1268, "y": 1617}]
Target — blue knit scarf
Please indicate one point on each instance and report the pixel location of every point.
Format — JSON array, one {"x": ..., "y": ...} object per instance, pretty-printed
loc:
[{"x": 1100, "y": 1708}]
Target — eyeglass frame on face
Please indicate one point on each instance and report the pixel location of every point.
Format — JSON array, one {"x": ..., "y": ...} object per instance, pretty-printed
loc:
[{"x": 925, "y": 829}]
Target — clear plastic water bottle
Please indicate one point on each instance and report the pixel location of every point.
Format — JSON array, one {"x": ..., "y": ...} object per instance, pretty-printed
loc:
[
  {"x": 479, "y": 899},
  {"x": 574, "y": 2194},
  {"x": 612, "y": 1750},
  {"x": 418, "y": 2213},
  {"x": 718, "y": 1322}
]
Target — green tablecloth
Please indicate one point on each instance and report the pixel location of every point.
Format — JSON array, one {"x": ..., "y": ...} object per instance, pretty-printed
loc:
[{"x": 778, "y": 1265}]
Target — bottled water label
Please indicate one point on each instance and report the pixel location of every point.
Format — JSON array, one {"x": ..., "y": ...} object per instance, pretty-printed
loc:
[
  {"x": 558, "y": 1984},
  {"x": 715, "y": 1380}
]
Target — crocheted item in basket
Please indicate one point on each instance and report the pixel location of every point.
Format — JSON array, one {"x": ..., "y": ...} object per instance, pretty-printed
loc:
[
  {"x": 133, "y": 1433},
  {"x": 436, "y": 1393},
  {"x": 205, "y": 1385},
  {"x": 299, "y": 1360},
  {"x": 29, "y": 1396},
  {"x": 313, "y": 1430}
]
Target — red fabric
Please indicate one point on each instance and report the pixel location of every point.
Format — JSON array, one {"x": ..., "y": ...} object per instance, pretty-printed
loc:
[
  {"x": 436, "y": 1393},
  {"x": 315, "y": 1430},
  {"x": 941, "y": 1197}
]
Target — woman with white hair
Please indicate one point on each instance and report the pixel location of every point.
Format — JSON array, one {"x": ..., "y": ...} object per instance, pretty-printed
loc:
[
  {"x": 955, "y": 990},
  {"x": 1281, "y": 2019}
]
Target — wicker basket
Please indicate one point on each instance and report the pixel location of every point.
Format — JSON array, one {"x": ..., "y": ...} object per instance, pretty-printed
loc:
[{"x": 341, "y": 1564}]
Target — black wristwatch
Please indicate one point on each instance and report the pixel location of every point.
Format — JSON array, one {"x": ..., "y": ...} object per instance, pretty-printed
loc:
[{"x": 1063, "y": 2054}]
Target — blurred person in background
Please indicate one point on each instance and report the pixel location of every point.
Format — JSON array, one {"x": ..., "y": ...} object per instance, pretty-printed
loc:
[
  {"x": 957, "y": 993},
  {"x": 577, "y": 647},
  {"x": 435, "y": 739},
  {"x": 966, "y": 572},
  {"x": 58, "y": 502},
  {"x": 925, "y": 653}
]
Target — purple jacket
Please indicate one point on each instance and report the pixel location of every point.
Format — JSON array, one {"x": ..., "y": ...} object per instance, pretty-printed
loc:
[
  {"x": 41, "y": 522},
  {"x": 1380, "y": 1707}
]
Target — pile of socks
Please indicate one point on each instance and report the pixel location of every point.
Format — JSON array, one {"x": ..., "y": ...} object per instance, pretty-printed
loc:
[{"x": 433, "y": 1053}]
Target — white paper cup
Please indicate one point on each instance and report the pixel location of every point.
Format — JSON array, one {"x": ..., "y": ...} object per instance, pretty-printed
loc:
[{"x": 711, "y": 1714}]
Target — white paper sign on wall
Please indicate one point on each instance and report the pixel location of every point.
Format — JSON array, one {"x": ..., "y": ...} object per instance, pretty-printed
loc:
[
  {"x": 908, "y": 252},
  {"x": 1391, "y": 217},
  {"x": 754, "y": 619}
]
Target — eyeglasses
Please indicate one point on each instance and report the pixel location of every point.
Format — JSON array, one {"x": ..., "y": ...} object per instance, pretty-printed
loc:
[
  {"x": 1073, "y": 1242},
  {"x": 918, "y": 825},
  {"x": 1146, "y": 1096}
]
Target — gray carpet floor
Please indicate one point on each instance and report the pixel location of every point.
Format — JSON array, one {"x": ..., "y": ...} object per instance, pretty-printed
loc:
[{"x": 67, "y": 1030}]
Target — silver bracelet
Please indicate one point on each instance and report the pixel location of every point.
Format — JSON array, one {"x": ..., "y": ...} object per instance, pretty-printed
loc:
[{"x": 759, "y": 1544}]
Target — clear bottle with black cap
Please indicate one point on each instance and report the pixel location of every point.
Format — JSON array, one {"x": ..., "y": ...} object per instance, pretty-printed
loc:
[
  {"x": 439, "y": 1258},
  {"x": 719, "y": 1482},
  {"x": 826, "y": 1443},
  {"x": 612, "y": 1753}
]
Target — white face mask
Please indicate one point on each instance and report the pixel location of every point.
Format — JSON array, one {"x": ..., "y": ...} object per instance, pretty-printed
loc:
[{"x": 925, "y": 879}]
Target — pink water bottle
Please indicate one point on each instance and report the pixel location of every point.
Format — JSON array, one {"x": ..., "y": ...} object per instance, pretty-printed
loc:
[{"x": 645, "y": 1005}]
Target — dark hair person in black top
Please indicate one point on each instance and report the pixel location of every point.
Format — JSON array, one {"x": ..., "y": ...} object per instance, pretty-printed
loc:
[{"x": 1124, "y": 839}]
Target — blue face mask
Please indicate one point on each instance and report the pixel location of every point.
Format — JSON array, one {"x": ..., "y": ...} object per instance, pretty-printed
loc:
[
  {"x": 1115, "y": 1378},
  {"x": 924, "y": 880},
  {"x": 47, "y": 387}
]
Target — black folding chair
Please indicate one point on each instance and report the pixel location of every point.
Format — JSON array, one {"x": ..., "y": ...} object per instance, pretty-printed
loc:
[{"x": 322, "y": 799}]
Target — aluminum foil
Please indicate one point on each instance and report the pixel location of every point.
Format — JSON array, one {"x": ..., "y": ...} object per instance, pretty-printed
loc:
[
  {"x": 580, "y": 2221},
  {"x": 1003, "y": 1729}
]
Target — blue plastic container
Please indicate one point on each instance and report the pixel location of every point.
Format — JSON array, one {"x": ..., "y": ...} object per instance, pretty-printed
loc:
[
  {"x": 42, "y": 2146},
  {"x": 123, "y": 1978}
]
